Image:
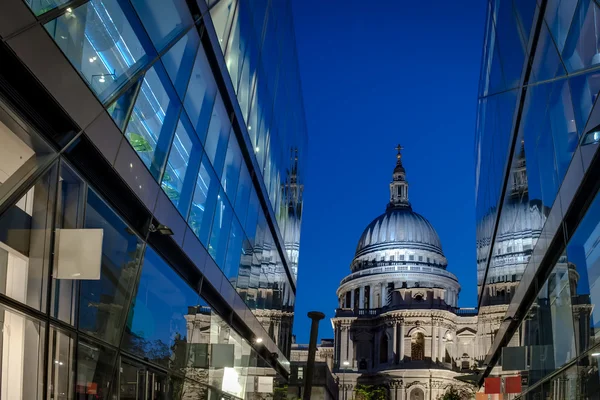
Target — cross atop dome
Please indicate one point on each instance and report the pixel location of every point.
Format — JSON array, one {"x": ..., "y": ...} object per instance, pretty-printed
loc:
[
  {"x": 399, "y": 148},
  {"x": 399, "y": 185}
]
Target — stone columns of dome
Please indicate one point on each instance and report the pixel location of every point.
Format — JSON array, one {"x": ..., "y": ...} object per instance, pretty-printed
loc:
[
  {"x": 352, "y": 298},
  {"x": 344, "y": 346},
  {"x": 442, "y": 348},
  {"x": 351, "y": 356},
  {"x": 391, "y": 344},
  {"x": 401, "y": 341},
  {"x": 361, "y": 297},
  {"x": 372, "y": 297},
  {"x": 434, "y": 329},
  {"x": 396, "y": 354},
  {"x": 383, "y": 294}
]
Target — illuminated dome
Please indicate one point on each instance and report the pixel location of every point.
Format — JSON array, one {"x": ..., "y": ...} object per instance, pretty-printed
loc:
[
  {"x": 399, "y": 228},
  {"x": 399, "y": 234},
  {"x": 399, "y": 249}
]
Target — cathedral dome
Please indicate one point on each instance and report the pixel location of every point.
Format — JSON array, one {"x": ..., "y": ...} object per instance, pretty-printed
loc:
[
  {"x": 399, "y": 235},
  {"x": 399, "y": 228}
]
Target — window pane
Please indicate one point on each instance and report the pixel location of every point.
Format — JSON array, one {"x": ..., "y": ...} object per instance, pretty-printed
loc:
[
  {"x": 583, "y": 252},
  {"x": 163, "y": 20},
  {"x": 222, "y": 15},
  {"x": 252, "y": 217},
  {"x": 70, "y": 215},
  {"x": 95, "y": 370},
  {"x": 581, "y": 48},
  {"x": 234, "y": 251},
  {"x": 242, "y": 196},
  {"x": 156, "y": 328},
  {"x": 153, "y": 120},
  {"x": 203, "y": 204},
  {"x": 219, "y": 233},
  {"x": 61, "y": 365},
  {"x": 179, "y": 60},
  {"x": 231, "y": 170},
  {"x": 102, "y": 301},
  {"x": 218, "y": 134},
  {"x": 25, "y": 232},
  {"x": 182, "y": 167},
  {"x": 200, "y": 95},
  {"x": 100, "y": 42},
  {"x": 41, "y": 6},
  {"x": 22, "y": 347}
]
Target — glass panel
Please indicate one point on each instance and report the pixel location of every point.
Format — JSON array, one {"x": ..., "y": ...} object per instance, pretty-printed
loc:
[
  {"x": 584, "y": 91},
  {"x": 242, "y": 196},
  {"x": 96, "y": 373},
  {"x": 102, "y": 302},
  {"x": 153, "y": 120},
  {"x": 133, "y": 381},
  {"x": 163, "y": 20},
  {"x": 231, "y": 170},
  {"x": 182, "y": 166},
  {"x": 222, "y": 16},
  {"x": 581, "y": 46},
  {"x": 564, "y": 129},
  {"x": 103, "y": 43},
  {"x": 61, "y": 365},
  {"x": 25, "y": 233},
  {"x": 157, "y": 324},
  {"x": 70, "y": 215},
  {"x": 22, "y": 349},
  {"x": 120, "y": 110},
  {"x": 218, "y": 135},
  {"x": 509, "y": 42},
  {"x": 559, "y": 14},
  {"x": 252, "y": 217},
  {"x": 41, "y": 6},
  {"x": 220, "y": 230},
  {"x": 179, "y": 60},
  {"x": 583, "y": 251},
  {"x": 234, "y": 251},
  {"x": 547, "y": 63},
  {"x": 200, "y": 95},
  {"x": 203, "y": 204}
]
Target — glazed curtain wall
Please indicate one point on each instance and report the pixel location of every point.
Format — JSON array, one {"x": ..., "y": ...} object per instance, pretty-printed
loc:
[
  {"x": 553, "y": 99},
  {"x": 112, "y": 41},
  {"x": 257, "y": 41},
  {"x": 562, "y": 327},
  {"x": 102, "y": 321},
  {"x": 143, "y": 59}
]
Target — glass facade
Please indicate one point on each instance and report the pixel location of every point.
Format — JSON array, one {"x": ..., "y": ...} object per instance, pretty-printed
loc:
[
  {"x": 537, "y": 197},
  {"x": 145, "y": 248}
]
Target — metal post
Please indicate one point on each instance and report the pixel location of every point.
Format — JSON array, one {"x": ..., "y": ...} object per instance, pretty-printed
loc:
[{"x": 315, "y": 316}]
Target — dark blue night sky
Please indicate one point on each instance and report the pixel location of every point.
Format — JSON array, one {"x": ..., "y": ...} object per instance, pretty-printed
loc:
[{"x": 376, "y": 74}]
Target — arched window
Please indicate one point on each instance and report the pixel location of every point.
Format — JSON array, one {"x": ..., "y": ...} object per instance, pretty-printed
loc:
[
  {"x": 383, "y": 350},
  {"x": 417, "y": 346},
  {"x": 417, "y": 394}
]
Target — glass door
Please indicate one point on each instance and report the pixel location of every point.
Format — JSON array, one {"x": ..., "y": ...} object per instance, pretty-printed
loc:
[
  {"x": 139, "y": 382},
  {"x": 132, "y": 381},
  {"x": 158, "y": 388}
]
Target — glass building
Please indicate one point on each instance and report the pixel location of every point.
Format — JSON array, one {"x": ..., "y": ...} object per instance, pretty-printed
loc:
[
  {"x": 538, "y": 207},
  {"x": 152, "y": 158}
]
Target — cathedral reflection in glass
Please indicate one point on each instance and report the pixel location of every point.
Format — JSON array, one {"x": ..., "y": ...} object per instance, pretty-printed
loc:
[
  {"x": 538, "y": 208},
  {"x": 152, "y": 158}
]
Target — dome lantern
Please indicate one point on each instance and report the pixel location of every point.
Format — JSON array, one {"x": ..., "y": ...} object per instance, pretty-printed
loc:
[{"x": 399, "y": 185}]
